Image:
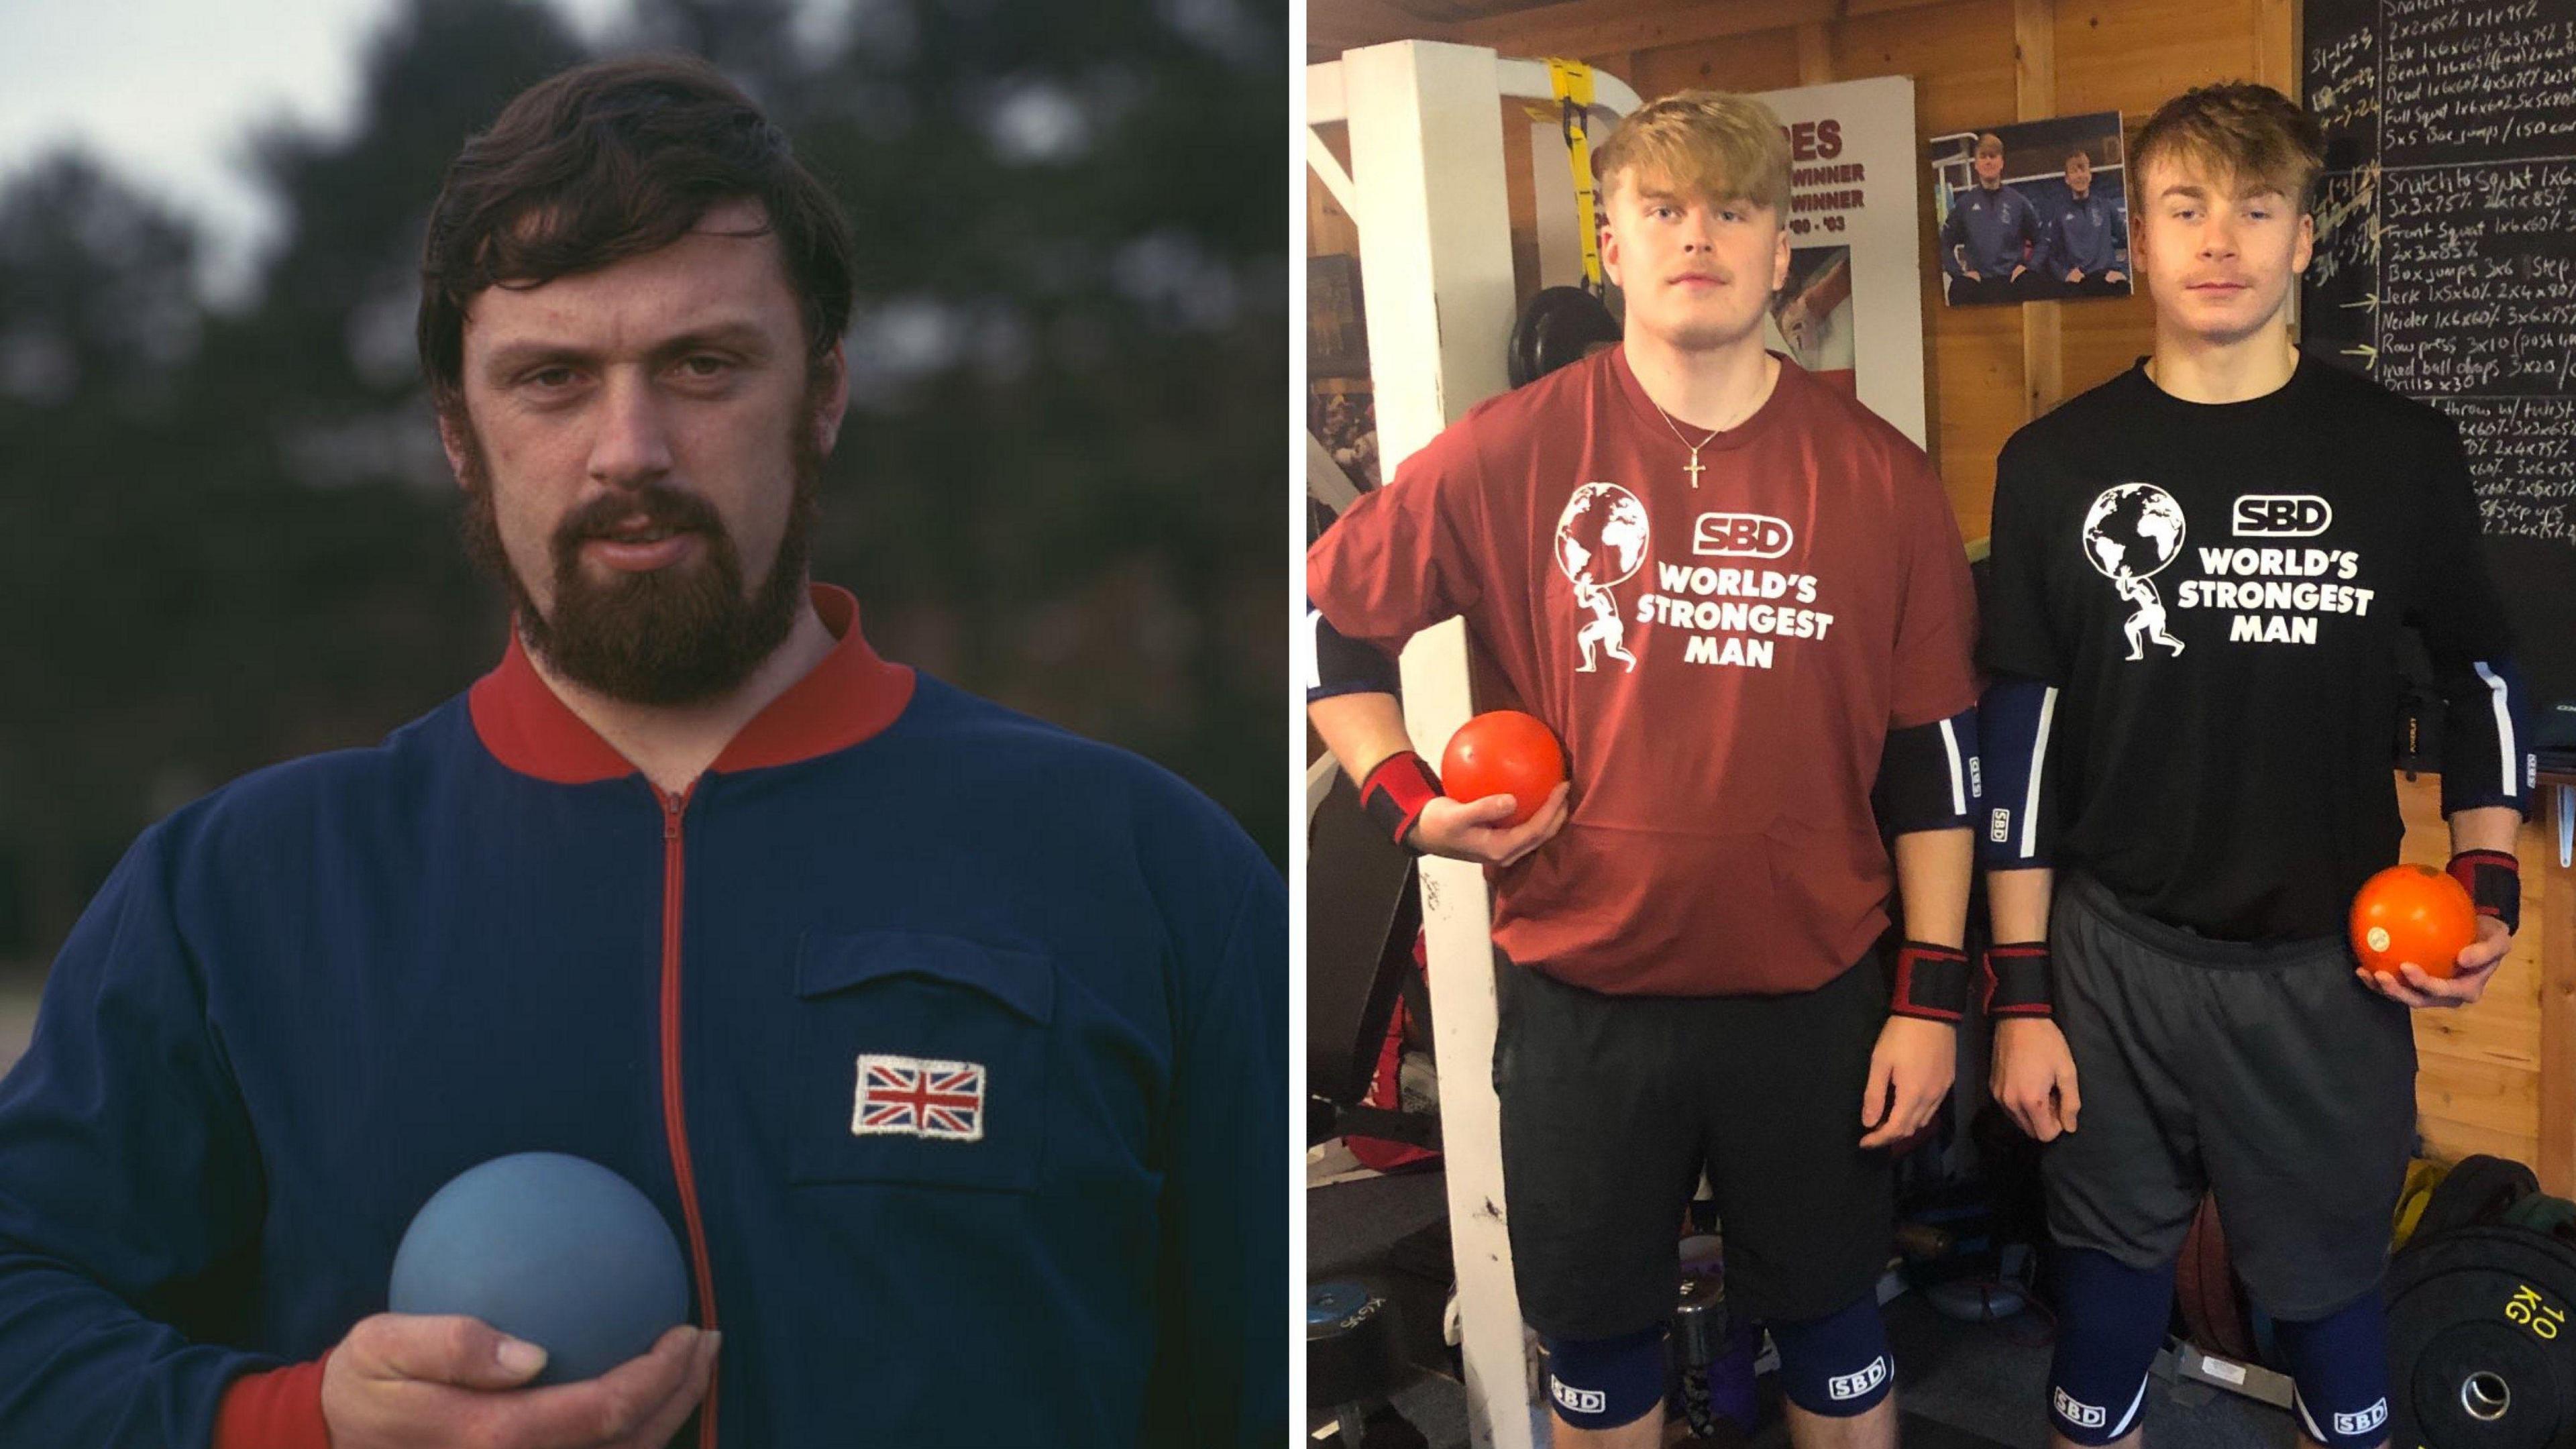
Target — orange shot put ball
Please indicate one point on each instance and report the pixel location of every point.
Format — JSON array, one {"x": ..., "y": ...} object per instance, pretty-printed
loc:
[{"x": 2412, "y": 913}]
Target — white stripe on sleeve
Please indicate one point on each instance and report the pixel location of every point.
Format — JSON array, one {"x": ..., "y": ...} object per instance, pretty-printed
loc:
[
  {"x": 2038, "y": 766},
  {"x": 2507, "y": 755},
  {"x": 1958, "y": 771}
]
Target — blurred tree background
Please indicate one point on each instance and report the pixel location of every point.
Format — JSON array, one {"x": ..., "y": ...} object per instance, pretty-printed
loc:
[{"x": 227, "y": 536}]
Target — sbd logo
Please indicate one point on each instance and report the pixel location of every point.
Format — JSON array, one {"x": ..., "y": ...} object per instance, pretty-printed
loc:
[
  {"x": 2282, "y": 515},
  {"x": 1740, "y": 535}
]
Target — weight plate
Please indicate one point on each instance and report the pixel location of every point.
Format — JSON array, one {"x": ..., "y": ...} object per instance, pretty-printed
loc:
[
  {"x": 2477, "y": 1191},
  {"x": 1560, "y": 326},
  {"x": 1350, "y": 1345},
  {"x": 2482, "y": 1353},
  {"x": 2205, "y": 1286}
]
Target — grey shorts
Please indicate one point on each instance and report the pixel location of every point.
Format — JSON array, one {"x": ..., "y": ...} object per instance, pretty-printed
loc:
[{"x": 2266, "y": 1075}]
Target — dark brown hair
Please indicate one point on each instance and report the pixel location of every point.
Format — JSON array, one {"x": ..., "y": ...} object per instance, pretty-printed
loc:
[
  {"x": 612, "y": 160},
  {"x": 2249, "y": 137}
]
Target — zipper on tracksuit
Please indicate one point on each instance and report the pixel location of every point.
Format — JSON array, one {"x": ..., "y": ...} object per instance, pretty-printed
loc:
[{"x": 675, "y": 1123}]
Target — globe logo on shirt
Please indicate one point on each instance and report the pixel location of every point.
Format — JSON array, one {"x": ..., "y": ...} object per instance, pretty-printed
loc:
[
  {"x": 2132, "y": 531},
  {"x": 1601, "y": 537}
]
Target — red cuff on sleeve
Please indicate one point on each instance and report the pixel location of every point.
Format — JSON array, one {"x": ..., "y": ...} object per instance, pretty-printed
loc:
[{"x": 278, "y": 1409}]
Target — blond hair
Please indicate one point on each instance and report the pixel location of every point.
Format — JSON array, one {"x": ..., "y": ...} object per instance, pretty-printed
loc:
[
  {"x": 2249, "y": 138},
  {"x": 1715, "y": 144}
]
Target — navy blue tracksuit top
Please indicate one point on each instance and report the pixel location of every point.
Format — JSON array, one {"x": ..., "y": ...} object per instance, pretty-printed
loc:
[
  {"x": 304, "y": 1003},
  {"x": 2091, "y": 235},
  {"x": 1995, "y": 227}
]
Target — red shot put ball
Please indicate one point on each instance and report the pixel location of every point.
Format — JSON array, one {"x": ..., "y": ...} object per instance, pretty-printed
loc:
[{"x": 1503, "y": 752}]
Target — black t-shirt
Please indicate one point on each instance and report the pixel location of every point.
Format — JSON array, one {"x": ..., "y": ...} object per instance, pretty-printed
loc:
[{"x": 2216, "y": 592}]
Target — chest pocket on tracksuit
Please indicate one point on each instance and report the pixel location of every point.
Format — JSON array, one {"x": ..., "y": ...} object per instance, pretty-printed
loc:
[{"x": 920, "y": 1059}]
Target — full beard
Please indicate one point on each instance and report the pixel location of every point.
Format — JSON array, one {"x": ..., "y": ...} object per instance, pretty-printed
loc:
[{"x": 678, "y": 635}]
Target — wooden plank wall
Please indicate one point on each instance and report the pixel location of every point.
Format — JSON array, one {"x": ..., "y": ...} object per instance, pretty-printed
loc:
[
  {"x": 1974, "y": 63},
  {"x": 2480, "y": 1071},
  {"x": 1988, "y": 370}
]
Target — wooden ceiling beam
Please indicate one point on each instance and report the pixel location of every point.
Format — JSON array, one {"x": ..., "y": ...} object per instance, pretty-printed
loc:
[{"x": 1598, "y": 27}]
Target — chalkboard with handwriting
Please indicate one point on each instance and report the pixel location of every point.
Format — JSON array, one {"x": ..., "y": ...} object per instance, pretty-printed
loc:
[{"x": 2445, "y": 267}]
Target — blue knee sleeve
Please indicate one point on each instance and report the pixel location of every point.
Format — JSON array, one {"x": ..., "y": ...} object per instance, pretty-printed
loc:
[
  {"x": 1602, "y": 1383},
  {"x": 2110, "y": 1322},
  {"x": 2340, "y": 1364},
  {"x": 1836, "y": 1366}
]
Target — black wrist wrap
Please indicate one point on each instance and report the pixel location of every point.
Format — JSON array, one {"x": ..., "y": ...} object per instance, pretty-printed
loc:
[
  {"x": 1394, "y": 793},
  {"x": 2494, "y": 882},
  {"x": 1931, "y": 982},
  {"x": 2016, "y": 976}
]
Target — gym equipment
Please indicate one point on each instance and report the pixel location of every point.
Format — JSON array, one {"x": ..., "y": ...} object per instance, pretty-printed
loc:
[
  {"x": 2479, "y": 1190},
  {"x": 1713, "y": 1362},
  {"x": 1564, "y": 325},
  {"x": 1352, "y": 1366},
  {"x": 2551, "y": 1217},
  {"x": 553, "y": 1249},
  {"x": 1561, "y": 325},
  {"x": 1503, "y": 752},
  {"x": 1361, "y": 916},
  {"x": 2412, "y": 914},
  {"x": 2481, "y": 1353},
  {"x": 2422, "y": 1176}
]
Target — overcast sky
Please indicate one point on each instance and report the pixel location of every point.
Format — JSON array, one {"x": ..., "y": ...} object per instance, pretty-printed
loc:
[{"x": 168, "y": 91}]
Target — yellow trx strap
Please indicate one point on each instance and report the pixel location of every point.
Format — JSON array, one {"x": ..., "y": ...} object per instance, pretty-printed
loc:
[{"x": 1572, "y": 82}]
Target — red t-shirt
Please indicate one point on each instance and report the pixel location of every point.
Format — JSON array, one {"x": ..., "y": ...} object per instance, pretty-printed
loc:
[{"x": 1723, "y": 661}]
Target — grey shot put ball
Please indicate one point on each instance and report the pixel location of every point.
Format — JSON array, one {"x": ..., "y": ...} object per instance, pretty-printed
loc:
[{"x": 550, "y": 1248}]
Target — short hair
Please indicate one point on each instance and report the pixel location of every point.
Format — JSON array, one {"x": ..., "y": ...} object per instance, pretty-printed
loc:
[
  {"x": 1990, "y": 144},
  {"x": 610, "y": 160},
  {"x": 1715, "y": 143},
  {"x": 2078, "y": 154},
  {"x": 2249, "y": 137}
]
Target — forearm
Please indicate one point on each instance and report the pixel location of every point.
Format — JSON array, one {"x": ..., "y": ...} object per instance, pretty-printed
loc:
[
  {"x": 1932, "y": 871},
  {"x": 2488, "y": 827},
  {"x": 2017, "y": 903},
  {"x": 1362, "y": 730}
]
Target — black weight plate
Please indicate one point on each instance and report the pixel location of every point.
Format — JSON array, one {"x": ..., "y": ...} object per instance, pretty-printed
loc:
[
  {"x": 2482, "y": 1341},
  {"x": 1560, "y": 326},
  {"x": 1350, "y": 1345},
  {"x": 2476, "y": 1191}
]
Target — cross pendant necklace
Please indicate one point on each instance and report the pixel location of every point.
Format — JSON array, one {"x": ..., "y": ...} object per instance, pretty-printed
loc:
[{"x": 1694, "y": 469}]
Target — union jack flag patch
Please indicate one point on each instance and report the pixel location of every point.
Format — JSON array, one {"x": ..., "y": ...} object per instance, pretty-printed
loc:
[{"x": 911, "y": 1097}]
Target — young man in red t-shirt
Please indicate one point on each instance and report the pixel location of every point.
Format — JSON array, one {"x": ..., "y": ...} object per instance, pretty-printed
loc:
[{"x": 1740, "y": 600}]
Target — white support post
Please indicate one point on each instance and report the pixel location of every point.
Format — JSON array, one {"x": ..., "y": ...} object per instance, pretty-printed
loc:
[{"x": 1435, "y": 249}]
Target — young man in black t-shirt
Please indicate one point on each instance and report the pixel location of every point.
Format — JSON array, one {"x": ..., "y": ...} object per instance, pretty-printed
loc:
[{"x": 2200, "y": 573}]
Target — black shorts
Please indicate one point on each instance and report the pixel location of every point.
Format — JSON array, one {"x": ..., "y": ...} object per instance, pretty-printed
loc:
[
  {"x": 1613, "y": 1105},
  {"x": 2265, "y": 1075}
]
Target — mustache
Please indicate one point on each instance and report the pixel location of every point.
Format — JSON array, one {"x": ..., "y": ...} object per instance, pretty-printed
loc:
[{"x": 660, "y": 506}]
